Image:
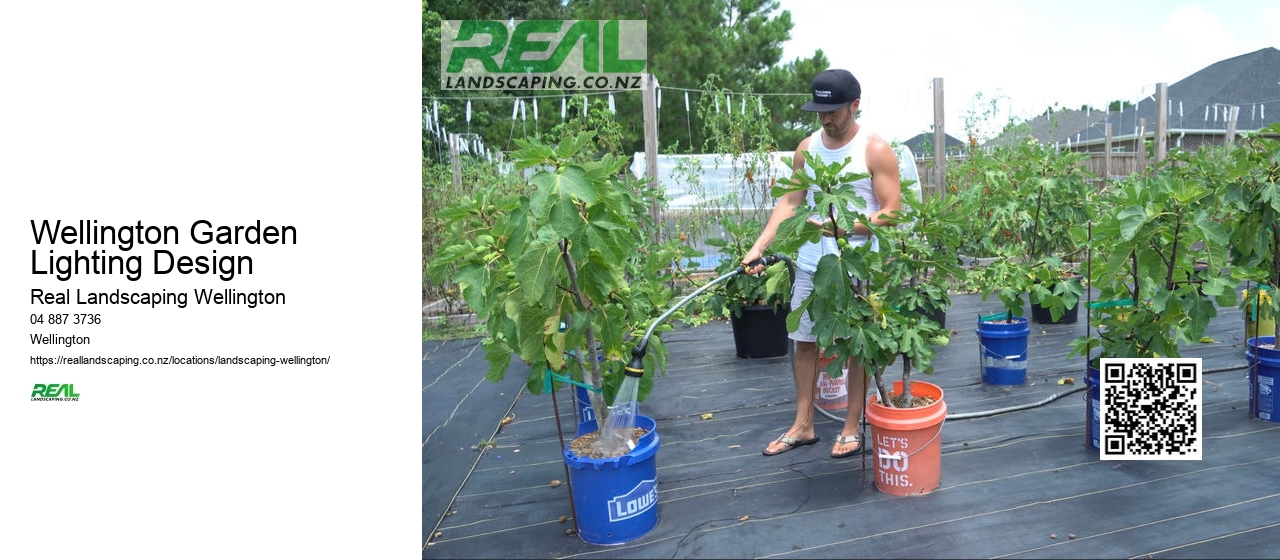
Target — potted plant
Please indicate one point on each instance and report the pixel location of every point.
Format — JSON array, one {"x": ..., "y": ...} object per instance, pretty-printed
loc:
[
  {"x": 740, "y": 146},
  {"x": 1056, "y": 236},
  {"x": 1157, "y": 229},
  {"x": 757, "y": 305},
  {"x": 1253, "y": 196},
  {"x": 561, "y": 276},
  {"x": 870, "y": 312},
  {"x": 994, "y": 252}
]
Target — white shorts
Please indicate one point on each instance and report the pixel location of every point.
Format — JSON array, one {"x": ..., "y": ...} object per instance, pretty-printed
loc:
[{"x": 799, "y": 290}]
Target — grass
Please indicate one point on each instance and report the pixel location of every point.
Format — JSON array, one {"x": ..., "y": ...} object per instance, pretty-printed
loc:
[{"x": 443, "y": 329}]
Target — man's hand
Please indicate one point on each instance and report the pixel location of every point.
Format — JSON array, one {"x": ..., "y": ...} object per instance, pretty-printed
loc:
[
  {"x": 828, "y": 228},
  {"x": 752, "y": 256}
]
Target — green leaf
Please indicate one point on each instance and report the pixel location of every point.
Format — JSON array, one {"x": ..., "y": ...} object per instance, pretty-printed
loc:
[
  {"x": 538, "y": 268},
  {"x": 543, "y": 195},
  {"x": 530, "y": 333},
  {"x": 565, "y": 220},
  {"x": 572, "y": 182},
  {"x": 598, "y": 278},
  {"x": 1130, "y": 220},
  {"x": 498, "y": 354}
]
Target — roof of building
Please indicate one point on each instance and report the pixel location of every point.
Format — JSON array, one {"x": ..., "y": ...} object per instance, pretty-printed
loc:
[
  {"x": 1198, "y": 102},
  {"x": 920, "y": 142}
]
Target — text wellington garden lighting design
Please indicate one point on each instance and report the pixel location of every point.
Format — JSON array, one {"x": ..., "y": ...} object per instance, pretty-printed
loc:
[{"x": 542, "y": 54}]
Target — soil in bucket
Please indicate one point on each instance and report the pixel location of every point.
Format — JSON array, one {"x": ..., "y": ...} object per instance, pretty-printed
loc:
[{"x": 908, "y": 442}]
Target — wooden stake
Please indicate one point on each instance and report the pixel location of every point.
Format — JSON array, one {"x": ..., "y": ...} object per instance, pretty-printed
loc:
[
  {"x": 939, "y": 138},
  {"x": 651, "y": 146}
]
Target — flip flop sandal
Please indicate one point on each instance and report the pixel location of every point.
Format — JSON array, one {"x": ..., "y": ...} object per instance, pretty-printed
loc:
[
  {"x": 790, "y": 443},
  {"x": 844, "y": 440}
]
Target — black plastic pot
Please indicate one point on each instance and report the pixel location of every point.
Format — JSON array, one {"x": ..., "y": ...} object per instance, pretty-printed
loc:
[
  {"x": 1070, "y": 315},
  {"x": 938, "y": 316},
  {"x": 761, "y": 332},
  {"x": 1041, "y": 315}
]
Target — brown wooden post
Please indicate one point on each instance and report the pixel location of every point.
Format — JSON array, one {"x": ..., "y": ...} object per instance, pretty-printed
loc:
[
  {"x": 650, "y": 107},
  {"x": 453, "y": 159},
  {"x": 1106, "y": 158},
  {"x": 1140, "y": 146},
  {"x": 1232, "y": 111},
  {"x": 939, "y": 139},
  {"x": 1162, "y": 121}
]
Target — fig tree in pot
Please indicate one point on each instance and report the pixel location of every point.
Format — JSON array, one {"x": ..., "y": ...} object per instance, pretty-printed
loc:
[
  {"x": 757, "y": 305},
  {"x": 1253, "y": 196},
  {"x": 869, "y": 311},
  {"x": 562, "y": 274},
  {"x": 1147, "y": 246}
]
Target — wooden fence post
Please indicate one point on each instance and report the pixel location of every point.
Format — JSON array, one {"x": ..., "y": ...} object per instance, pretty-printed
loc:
[
  {"x": 939, "y": 139},
  {"x": 1162, "y": 121},
  {"x": 650, "y": 107},
  {"x": 1106, "y": 158},
  {"x": 1232, "y": 111}
]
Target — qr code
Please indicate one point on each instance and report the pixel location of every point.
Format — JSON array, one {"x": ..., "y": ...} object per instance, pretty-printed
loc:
[{"x": 1150, "y": 409}]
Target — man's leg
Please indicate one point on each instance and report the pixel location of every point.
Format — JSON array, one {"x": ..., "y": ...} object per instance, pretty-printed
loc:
[
  {"x": 804, "y": 366},
  {"x": 857, "y": 383},
  {"x": 804, "y": 370}
]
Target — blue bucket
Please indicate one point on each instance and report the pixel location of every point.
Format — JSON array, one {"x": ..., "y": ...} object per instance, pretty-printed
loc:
[
  {"x": 583, "y": 400},
  {"x": 1002, "y": 351},
  {"x": 1094, "y": 396},
  {"x": 1264, "y": 373},
  {"x": 616, "y": 499}
]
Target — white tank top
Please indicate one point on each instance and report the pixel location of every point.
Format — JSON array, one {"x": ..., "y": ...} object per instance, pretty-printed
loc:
[{"x": 856, "y": 150}]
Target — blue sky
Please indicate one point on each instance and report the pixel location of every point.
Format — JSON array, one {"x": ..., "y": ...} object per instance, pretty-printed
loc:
[{"x": 1001, "y": 58}]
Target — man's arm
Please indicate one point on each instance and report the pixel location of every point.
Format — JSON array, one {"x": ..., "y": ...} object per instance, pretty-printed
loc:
[
  {"x": 784, "y": 209},
  {"x": 886, "y": 184}
]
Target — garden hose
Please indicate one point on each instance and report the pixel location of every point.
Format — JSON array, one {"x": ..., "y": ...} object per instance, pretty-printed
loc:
[{"x": 635, "y": 367}]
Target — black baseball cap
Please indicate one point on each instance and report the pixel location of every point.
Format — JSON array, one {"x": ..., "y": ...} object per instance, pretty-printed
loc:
[{"x": 833, "y": 89}]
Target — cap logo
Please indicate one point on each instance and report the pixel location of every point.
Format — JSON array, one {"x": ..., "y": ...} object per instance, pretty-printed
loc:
[{"x": 822, "y": 93}]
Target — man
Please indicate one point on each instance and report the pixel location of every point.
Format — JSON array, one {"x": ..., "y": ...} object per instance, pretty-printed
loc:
[{"x": 836, "y": 98}]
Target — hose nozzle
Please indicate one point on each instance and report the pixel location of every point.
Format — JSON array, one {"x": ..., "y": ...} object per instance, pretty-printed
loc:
[{"x": 635, "y": 368}]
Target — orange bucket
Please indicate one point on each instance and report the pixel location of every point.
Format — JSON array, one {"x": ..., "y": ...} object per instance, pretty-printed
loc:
[
  {"x": 832, "y": 394},
  {"x": 908, "y": 442}
]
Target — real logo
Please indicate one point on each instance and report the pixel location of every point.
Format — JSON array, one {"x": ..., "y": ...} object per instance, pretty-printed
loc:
[
  {"x": 542, "y": 54},
  {"x": 42, "y": 391}
]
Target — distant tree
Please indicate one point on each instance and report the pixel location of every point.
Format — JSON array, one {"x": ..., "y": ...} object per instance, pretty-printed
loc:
[
  {"x": 738, "y": 40},
  {"x": 688, "y": 40}
]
